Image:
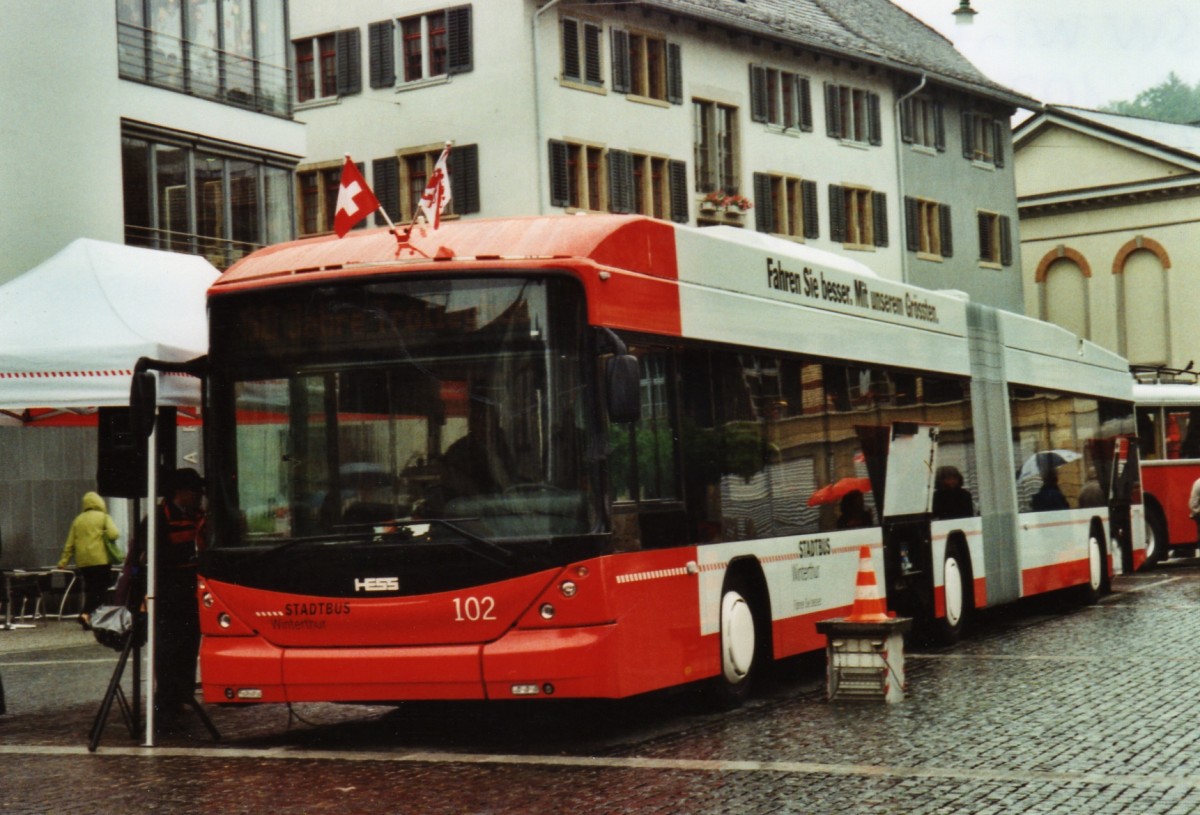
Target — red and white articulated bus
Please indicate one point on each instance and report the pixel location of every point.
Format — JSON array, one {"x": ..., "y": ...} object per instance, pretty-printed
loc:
[
  {"x": 1168, "y": 421},
  {"x": 596, "y": 456}
]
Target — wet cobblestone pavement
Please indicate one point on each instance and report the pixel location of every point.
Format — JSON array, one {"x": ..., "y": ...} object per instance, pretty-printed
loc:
[{"x": 1046, "y": 708}]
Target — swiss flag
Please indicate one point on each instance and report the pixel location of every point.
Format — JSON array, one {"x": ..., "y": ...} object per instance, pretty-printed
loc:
[{"x": 355, "y": 200}]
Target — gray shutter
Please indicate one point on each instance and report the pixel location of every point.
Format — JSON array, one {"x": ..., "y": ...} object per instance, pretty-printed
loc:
[
  {"x": 947, "y": 237},
  {"x": 591, "y": 54},
  {"x": 939, "y": 127},
  {"x": 348, "y": 43},
  {"x": 459, "y": 55},
  {"x": 560, "y": 189},
  {"x": 985, "y": 236},
  {"x": 464, "y": 179},
  {"x": 912, "y": 226},
  {"x": 758, "y": 93},
  {"x": 677, "y": 181},
  {"x": 833, "y": 112},
  {"x": 806, "y": 116},
  {"x": 998, "y": 142},
  {"x": 620, "y": 60},
  {"x": 879, "y": 215},
  {"x": 570, "y": 49},
  {"x": 764, "y": 209},
  {"x": 874, "y": 119},
  {"x": 837, "y": 214},
  {"x": 620, "y": 181},
  {"x": 968, "y": 136},
  {"x": 674, "y": 74},
  {"x": 906, "y": 121},
  {"x": 808, "y": 192},
  {"x": 381, "y": 54},
  {"x": 1006, "y": 253},
  {"x": 385, "y": 173}
]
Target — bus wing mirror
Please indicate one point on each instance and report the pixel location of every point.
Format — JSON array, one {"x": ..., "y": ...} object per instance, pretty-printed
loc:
[
  {"x": 624, "y": 389},
  {"x": 143, "y": 403}
]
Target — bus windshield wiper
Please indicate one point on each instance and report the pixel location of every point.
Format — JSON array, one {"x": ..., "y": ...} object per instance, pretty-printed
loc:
[{"x": 480, "y": 544}]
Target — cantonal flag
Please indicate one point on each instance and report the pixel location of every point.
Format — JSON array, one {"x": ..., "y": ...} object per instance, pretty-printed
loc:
[
  {"x": 437, "y": 191},
  {"x": 355, "y": 200}
]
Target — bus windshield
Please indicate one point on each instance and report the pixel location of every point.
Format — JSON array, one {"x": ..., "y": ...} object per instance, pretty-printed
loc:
[{"x": 400, "y": 410}]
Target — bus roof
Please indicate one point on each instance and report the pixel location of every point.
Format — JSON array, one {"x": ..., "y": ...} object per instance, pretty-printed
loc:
[{"x": 1168, "y": 394}]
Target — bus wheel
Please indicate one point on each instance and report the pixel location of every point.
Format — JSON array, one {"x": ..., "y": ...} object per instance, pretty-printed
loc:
[
  {"x": 739, "y": 647},
  {"x": 958, "y": 594},
  {"x": 1097, "y": 571},
  {"x": 1157, "y": 544}
]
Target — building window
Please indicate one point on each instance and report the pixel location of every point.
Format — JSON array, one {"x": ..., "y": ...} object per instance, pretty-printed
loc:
[
  {"x": 857, "y": 217},
  {"x": 922, "y": 123},
  {"x": 399, "y": 181},
  {"x": 649, "y": 185},
  {"x": 927, "y": 225},
  {"x": 785, "y": 205},
  {"x": 995, "y": 238},
  {"x": 208, "y": 49},
  {"x": 983, "y": 138},
  {"x": 185, "y": 194},
  {"x": 576, "y": 176},
  {"x": 715, "y": 142},
  {"x": 581, "y": 51},
  {"x": 646, "y": 66},
  {"x": 424, "y": 47},
  {"x": 328, "y": 65},
  {"x": 852, "y": 114},
  {"x": 780, "y": 98},
  {"x": 317, "y": 188}
]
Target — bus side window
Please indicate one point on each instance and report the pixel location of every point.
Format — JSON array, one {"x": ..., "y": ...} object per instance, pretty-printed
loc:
[{"x": 1190, "y": 447}]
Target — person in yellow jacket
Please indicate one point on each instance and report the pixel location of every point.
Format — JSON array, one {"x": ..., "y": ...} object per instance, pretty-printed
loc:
[{"x": 92, "y": 542}]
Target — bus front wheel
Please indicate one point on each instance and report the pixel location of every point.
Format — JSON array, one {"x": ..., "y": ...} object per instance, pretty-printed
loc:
[
  {"x": 958, "y": 596},
  {"x": 739, "y": 642}
]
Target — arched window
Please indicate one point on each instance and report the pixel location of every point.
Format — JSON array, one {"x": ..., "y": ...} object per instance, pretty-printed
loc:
[
  {"x": 1063, "y": 290},
  {"x": 1144, "y": 314}
]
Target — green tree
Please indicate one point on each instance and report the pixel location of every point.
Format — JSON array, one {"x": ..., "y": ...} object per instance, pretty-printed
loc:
[{"x": 1170, "y": 101}]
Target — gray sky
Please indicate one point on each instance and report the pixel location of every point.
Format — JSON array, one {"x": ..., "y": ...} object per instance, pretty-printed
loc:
[{"x": 1084, "y": 53}]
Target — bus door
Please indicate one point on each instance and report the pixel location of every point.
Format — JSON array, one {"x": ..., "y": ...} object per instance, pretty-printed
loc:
[{"x": 907, "y": 504}]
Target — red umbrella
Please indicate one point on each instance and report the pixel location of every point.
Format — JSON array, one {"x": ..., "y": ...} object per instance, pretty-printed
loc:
[{"x": 832, "y": 493}]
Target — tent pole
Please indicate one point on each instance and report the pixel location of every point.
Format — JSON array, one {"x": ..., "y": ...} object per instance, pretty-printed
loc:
[{"x": 151, "y": 566}]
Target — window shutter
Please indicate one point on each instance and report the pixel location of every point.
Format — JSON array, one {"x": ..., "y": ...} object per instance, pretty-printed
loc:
[
  {"x": 1006, "y": 257},
  {"x": 758, "y": 93},
  {"x": 906, "y": 121},
  {"x": 947, "y": 238},
  {"x": 806, "y": 117},
  {"x": 879, "y": 214},
  {"x": 833, "y": 113},
  {"x": 912, "y": 224},
  {"x": 459, "y": 54},
  {"x": 764, "y": 209},
  {"x": 677, "y": 180},
  {"x": 560, "y": 190},
  {"x": 348, "y": 43},
  {"x": 674, "y": 74},
  {"x": 837, "y": 214},
  {"x": 591, "y": 54},
  {"x": 968, "y": 136},
  {"x": 464, "y": 179},
  {"x": 939, "y": 127},
  {"x": 381, "y": 54},
  {"x": 808, "y": 193},
  {"x": 620, "y": 181},
  {"x": 985, "y": 236},
  {"x": 386, "y": 175},
  {"x": 570, "y": 49},
  {"x": 874, "y": 120},
  {"x": 362, "y": 170},
  {"x": 998, "y": 143},
  {"x": 620, "y": 60}
]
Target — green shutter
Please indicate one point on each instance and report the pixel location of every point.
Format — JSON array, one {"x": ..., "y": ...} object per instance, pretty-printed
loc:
[
  {"x": 381, "y": 54},
  {"x": 459, "y": 58},
  {"x": 464, "y": 178},
  {"x": 385, "y": 174},
  {"x": 348, "y": 44}
]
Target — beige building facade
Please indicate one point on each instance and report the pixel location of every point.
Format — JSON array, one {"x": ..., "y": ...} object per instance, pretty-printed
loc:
[{"x": 1109, "y": 211}]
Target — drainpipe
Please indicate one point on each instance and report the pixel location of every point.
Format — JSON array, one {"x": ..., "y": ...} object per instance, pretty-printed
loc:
[
  {"x": 900, "y": 172},
  {"x": 537, "y": 107}
]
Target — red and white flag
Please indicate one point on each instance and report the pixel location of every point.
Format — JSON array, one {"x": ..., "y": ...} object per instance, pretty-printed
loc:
[
  {"x": 437, "y": 191},
  {"x": 355, "y": 200}
]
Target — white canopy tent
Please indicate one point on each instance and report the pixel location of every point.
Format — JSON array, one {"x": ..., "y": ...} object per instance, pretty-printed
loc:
[{"x": 72, "y": 327}]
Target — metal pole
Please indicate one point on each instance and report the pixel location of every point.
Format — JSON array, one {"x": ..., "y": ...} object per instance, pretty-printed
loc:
[{"x": 151, "y": 570}]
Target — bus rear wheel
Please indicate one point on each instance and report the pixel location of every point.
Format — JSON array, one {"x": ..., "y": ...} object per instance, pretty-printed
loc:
[
  {"x": 1097, "y": 584},
  {"x": 1157, "y": 545},
  {"x": 958, "y": 596}
]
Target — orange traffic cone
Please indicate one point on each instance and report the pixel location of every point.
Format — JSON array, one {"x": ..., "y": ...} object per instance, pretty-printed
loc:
[{"x": 868, "y": 607}]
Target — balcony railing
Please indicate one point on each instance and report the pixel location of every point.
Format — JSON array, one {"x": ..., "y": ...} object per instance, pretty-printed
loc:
[
  {"x": 220, "y": 252},
  {"x": 199, "y": 70}
]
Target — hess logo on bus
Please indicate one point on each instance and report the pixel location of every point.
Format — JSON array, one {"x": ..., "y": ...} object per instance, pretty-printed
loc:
[{"x": 377, "y": 584}]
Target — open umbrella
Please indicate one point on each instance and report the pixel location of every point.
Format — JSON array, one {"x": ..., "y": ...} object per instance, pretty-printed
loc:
[
  {"x": 832, "y": 493},
  {"x": 1041, "y": 463}
]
